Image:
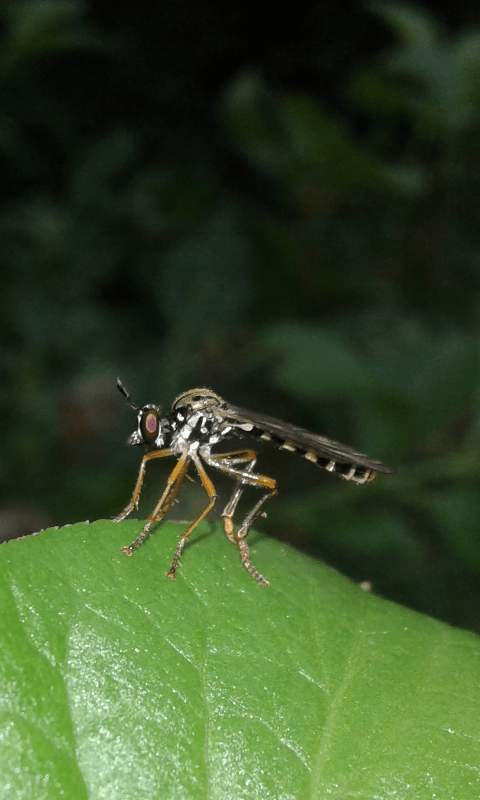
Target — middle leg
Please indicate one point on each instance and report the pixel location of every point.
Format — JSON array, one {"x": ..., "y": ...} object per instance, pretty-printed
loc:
[{"x": 212, "y": 494}]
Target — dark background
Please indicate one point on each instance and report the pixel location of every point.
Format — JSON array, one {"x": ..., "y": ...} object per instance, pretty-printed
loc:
[{"x": 284, "y": 209}]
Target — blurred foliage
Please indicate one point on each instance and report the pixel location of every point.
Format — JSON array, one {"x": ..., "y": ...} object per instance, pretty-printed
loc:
[{"x": 311, "y": 254}]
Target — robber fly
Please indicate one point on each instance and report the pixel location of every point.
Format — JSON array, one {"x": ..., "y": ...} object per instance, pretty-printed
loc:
[{"x": 198, "y": 421}]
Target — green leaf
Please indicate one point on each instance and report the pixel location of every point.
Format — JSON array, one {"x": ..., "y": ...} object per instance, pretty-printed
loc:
[
  {"x": 290, "y": 138},
  {"x": 456, "y": 511},
  {"x": 118, "y": 683},
  {"x": 44, "y": 28},
  {"x": 313, "y": 363},
  {"x": 441, "y": 88},
  {"x": 413, "y": 27},
  {"x": 435, "y": 374}
]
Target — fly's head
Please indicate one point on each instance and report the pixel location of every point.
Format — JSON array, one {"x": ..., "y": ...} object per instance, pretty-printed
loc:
[{"x": 151, "y": 428}]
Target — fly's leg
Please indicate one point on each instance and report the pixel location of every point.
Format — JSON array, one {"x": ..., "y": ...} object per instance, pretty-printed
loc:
[
  {"x": 254, "y": 513},
  {"x": 163, "y": 506},
  {"x": 240, "y": 537},
  {"x": 133, "y": 504},
  {"x": 248, "y": 457},
  {"x": 212, "y": 494},
  {"x": 245, "y": 477}
]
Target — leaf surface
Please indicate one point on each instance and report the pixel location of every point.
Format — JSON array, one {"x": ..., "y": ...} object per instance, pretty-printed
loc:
[{"x": 119, "y": 683}]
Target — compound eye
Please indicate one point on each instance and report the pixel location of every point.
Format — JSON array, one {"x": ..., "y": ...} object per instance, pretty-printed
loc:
[{"x": 149, "y": 425}]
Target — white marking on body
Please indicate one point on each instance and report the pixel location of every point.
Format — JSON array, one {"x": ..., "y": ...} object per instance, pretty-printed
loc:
[
  {"x": 288, "y": 446},
  {"x": 160, "y": 440},
  {"x": 311, "y": 457},
  {"x": 181, "y": 437},
  {"x": 205, "y": 449},
  {"x": 330, "y": 466},
  {"x": 363, "y": 478},
  {"x": 266, "y": 437},
  {"x": 246, "y": 426},
  {"x": 350, "y": 474}
]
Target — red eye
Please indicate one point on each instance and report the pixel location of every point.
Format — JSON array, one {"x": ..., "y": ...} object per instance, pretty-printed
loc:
[
  {"x": 149, "y": 425},
  {"x": 151, "y": 422}
]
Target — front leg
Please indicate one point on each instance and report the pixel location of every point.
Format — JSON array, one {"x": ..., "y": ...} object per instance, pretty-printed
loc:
[
  {"x": 163, "y": 506},
  {"x": 133, "y": 504}
]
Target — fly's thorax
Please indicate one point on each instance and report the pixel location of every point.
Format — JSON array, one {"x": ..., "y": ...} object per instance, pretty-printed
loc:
[
  {"x": 203, "y": 427},
  {"x": 197, "y": 400}
]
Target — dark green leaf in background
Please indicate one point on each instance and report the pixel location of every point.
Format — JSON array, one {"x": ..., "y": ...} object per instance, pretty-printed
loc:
[{"x": 313, "y": 363}]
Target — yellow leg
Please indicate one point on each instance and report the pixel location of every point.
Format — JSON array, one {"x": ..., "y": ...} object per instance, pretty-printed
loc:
[
  {"x": 212, "y": 494},
  {"x": 133, "y": 504},
  {"x": 245, "y": 478},
  {"x": 163, "y": 506}
]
